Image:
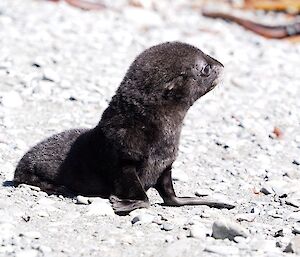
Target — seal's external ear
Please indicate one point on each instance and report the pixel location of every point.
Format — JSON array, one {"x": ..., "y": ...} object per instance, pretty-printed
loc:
[
  {"x": 173, "y": 88},
  {"x": 174, "y": 83}
]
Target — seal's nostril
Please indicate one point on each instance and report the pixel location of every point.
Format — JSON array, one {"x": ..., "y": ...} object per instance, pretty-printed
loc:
[{"x": 213, "y": 61}]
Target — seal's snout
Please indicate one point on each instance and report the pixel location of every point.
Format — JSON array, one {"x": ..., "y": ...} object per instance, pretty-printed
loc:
[{"x": 212, "y": 61}]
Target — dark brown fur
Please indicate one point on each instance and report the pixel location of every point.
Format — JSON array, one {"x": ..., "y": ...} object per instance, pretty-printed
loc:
[{"x": 136, "y": 141}]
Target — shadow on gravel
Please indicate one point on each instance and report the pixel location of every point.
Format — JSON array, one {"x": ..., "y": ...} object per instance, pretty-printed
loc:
[
  {"x": 8, "y": 183},
  {"x": 61, "y": 190}
]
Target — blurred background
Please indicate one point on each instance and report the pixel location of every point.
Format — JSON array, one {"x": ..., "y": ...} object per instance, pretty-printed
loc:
[{"x": 60, "y": 64}]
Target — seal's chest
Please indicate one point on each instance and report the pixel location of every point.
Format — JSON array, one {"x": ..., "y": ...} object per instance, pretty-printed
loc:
[{"x": 157, "y": 161}]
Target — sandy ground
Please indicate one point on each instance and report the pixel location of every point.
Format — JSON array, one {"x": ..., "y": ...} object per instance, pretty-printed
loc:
[{"x": 59, "y": 67}]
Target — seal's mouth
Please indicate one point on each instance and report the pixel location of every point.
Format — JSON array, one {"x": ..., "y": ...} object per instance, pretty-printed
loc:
[
  {"x": 215, "y": 82},
  {"x": 218, "y": 79}
]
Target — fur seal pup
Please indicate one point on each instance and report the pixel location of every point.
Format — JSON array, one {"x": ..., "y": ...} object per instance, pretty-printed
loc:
[{"x": 135, "y": 143}]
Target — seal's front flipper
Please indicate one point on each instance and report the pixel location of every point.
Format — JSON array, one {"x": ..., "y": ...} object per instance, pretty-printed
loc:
[
  {"x": 128, "y": 194},
  {"x": 125, "y": 206},
  {"x": 179, "y": 201},
  {"x": 165, "y": 188}
]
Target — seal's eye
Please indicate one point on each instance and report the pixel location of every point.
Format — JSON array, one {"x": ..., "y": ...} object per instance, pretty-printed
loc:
[{"x": 206, "y": 70}]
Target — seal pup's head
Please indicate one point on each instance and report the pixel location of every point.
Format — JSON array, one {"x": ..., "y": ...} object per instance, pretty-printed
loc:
[{"x": 171, "y": 73}]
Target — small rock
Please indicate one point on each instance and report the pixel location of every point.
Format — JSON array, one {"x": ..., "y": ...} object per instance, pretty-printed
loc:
[
  {"x": 275, "y": 214},
  {"x": 143, "y": 218},
  {"x": 167, "y": 226},
  {"x": 45, "y": 201},
  {"x": 246, "y": 217},
  {"x": 50, "y": 75},
  {"x": 82, "y": 200},
  {"x": 43, "y": 213},
  {"x": 180, "y": 176},
  {"x": 34, "y": 188},
  {"x": 293, "y": 202},
  {"x": 27, "y": 253},
  {"x": 31, "y": 234},
  {"x": 25, "y": 217},
  {"x": 278, "y": 187},
  {"x": 222, "y": 249},
  {"x": 45, "y": 249},
  {"x": 177, "y": 249},
  {"x": 203, "y": 192},
  {"x": 296, "y": 228},
  {"x": 222, "y": 229},
  {"x": 198, "y": 231},
  {"x": 7, "y": 230},
  {"x": 279, "y": 233},
  {"x": 100, "y": 207},
  {"x": 44, "y": 87},
  {"x": 261, "y": 244},
  {"x": 293, "y": 246},
  {"x": 12, "y": 100},
  {"x": 296, "y": 162},
  {"x": 65, "y": 84},
  {"x": 294, "y": 216}
]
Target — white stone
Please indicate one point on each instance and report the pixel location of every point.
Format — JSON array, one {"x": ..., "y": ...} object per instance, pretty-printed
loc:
[
  {"x": 179, "y": 176},
  {"x": 198, "y": 231},
  {"x": 222, "y": 229},
  {"x": 12, "y": 100},
  {"x": 222, "y": 249},
  {"x": 31, "y": 234},
  {"x": 51, "y": 75},
  {"x": 27, "y": 253},
  {"x": 100, "y": 207},
  {"x": 45, "y": 201},
  {"x": 82, "y": 200},
  {"x": 143, "y": 218},
  {"x": 293, "y": 246}
]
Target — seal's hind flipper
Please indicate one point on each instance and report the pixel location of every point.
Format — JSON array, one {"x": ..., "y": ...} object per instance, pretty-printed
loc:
[{"x": 125, "y": 206}]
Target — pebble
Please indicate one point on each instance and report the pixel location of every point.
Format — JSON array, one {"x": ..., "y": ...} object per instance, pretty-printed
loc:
[
  {"x": 245, "y": 217},
  {"x": 100, "y": 207},
  {"x": 198, "y": 231},
  {"x": 167, "y": 226},
  {"x": 44, "y": 249},
  {"x": 222, "y": 249},
  {"x": 296, "y": 228},
  {"x": 294, "y": 216},
  {"x": 143, "y": 218},
  {"x": 277, "y": 214},
  {"x": 34, "y": 188},
  {"x": 45, "y": 201},
  {"x": 179, "y": 176},
  {"x": 42, "y": 213},
  {"x": 82, "y": 200},
  {"x": 27, "y": 253},
  {"x": 203, "y": 192},
  {"x": 293, "y": 246},
  {"x": 222, "y": 229},
  {"x": 12, "y": 100},
  {"x": 179, "y": 248},
  {"x": 31, "y": 234},
  {"x": 293, "y": 202},
  {"x": 264, "y": 245},
  {"x": 278, "y": 187},
  {"x": 51, "y": 75}
]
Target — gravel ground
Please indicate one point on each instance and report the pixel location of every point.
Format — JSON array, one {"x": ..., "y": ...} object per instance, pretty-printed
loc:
[{"x": 59, "y": 67}]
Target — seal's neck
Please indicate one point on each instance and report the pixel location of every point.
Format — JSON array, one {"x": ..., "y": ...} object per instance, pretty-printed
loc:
[{"x": 126, "y": 110}]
